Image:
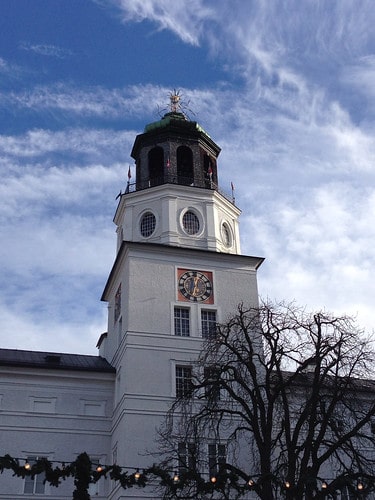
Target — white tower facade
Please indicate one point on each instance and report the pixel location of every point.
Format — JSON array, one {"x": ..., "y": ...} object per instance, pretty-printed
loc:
[{"x": 178, "y": 271}]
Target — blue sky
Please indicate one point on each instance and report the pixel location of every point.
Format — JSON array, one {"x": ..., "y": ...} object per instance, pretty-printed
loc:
[{"x": 286, "y": 88}]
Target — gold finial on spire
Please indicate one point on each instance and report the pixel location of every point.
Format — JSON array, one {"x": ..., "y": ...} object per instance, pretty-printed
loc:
[
  {"x": 177, "y": 106},
  {"x": 175, "y": 98}
]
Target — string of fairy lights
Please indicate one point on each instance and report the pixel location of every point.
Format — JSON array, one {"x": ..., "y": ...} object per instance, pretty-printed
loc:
[{"x": 86, "y": 471}]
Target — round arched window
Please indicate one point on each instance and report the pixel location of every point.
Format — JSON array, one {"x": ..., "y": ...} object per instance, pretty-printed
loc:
[
  {"x": 147, "y": 225},
  {"x": 226, "y": 234},
  {"x": 190, "y": 222}
]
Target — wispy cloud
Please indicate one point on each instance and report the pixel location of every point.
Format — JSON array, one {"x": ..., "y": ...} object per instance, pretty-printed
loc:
[
  {"x": 60, "y": 245},
  {"x": 9, "y": 71},
  {"x": 186, "y": 20},
  {"x": 320, "y": 249},
  {"x": 277, "y": 54},
  {"x": 269, "y": 32},
  {"x": 85, "y": 144},
  {"x": 87, "y": 102},
  {"x": 46, "y": 50},
  {"x": 360, "y": 76},
  {"x": 44, "y": 332},
  {"x": 4, "y": 67}
]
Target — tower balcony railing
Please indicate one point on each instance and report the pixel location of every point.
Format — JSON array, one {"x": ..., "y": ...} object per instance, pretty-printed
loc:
[{"x": 181, "y": 181}]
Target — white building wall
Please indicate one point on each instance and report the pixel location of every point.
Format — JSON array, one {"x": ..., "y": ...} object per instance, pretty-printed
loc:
[
  {"x": 168, "y": 204},
  {"x": 57, "y": 414}
]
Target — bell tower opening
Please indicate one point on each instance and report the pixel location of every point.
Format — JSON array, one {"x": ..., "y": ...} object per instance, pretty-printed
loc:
[
  {"x": 156, "y": 166},
  {"x": 185, "y": 170}
]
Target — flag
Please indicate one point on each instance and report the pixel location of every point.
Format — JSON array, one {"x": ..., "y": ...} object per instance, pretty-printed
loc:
[
  {"x": 129, "y": 174},
  {"x": 232, "y": 186}
]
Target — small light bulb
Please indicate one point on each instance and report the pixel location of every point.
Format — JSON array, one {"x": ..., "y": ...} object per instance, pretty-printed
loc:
[
  {"x": 99, "y": 468},
  {"x": 360, "y": 486},
  {"x": 27, "y": 466},
  {"x": 176, "y": 478},
  {"x": 251, "y": 483},
  {"x": 213, "y": 479},
  {"x": 324, "y": 485},
  {"x": 287, "y": 484},
  {"x": 137, "y": 475}
]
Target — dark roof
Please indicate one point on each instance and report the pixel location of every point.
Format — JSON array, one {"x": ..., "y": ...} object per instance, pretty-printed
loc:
[
  {"x": 173, "y": 125},
  {"x": 54, "y": 361}
]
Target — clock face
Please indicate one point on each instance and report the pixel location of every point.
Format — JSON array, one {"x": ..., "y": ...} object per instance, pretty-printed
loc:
[{"x": 195, "y": 286}]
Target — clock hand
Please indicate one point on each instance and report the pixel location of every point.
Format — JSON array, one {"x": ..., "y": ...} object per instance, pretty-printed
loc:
[{"x": 196, "y": 288}]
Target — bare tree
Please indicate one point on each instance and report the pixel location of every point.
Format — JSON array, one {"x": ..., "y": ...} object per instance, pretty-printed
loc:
[{"x": 290, "y": 395}]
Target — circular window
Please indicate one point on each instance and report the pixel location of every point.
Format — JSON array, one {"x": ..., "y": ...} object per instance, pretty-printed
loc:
[
  {"x": 148, "y": 223},
  {"x": 226, "y": 234},
  {"x": 190, "y": 222}
]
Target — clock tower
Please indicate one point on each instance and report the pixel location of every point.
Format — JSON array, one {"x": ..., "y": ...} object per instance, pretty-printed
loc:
[{"x": 177, "y": 273}]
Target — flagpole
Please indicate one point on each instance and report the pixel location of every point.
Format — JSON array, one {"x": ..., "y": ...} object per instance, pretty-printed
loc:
[{"x": 129, "y": 177}]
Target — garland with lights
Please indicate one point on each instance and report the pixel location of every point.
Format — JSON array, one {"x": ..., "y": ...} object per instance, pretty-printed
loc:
[{"x": 85, "y": 472}]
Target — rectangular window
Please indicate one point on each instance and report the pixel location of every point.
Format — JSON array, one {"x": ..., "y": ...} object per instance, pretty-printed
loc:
[
  {"x": 216, "y": 458},
  {"x": 119, "y": 336},
  {"x": 345, "y": 494},
  {"x": 183, "y": 381},
  {"x": 186, "y": 457},
  {"x": 118, "y": 387},
  {"x": 114, "y": 461},
  {"x": 34, "y": 484},
  {"x": 93, "y": 488},
  {"x": 118, "y": 303},
  {"x": 208, "y": 320},
  {"x": 182, "y": 321},
  {"x": 211, "y": 379}
]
